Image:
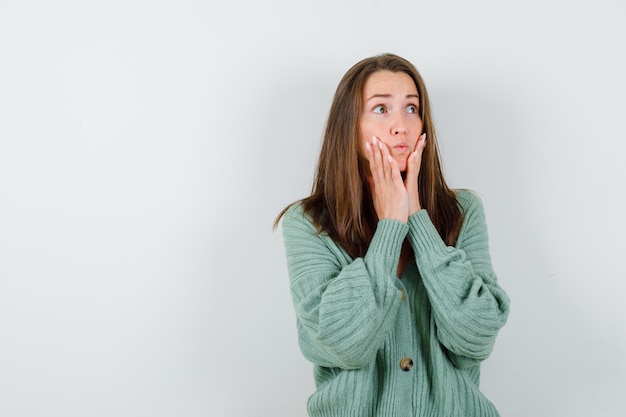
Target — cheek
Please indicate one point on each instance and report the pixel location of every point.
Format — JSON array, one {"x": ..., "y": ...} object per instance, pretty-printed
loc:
[
  {"x": 417, "y": 129},
  {"x": 362, "y": 141},
  {"x": 366, "y": 133},
  {"x": 418, "y": 125},
  {"x": 368, "y": 130}
]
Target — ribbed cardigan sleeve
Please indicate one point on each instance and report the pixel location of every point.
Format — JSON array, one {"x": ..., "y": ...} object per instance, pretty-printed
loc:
[
  {"x": 345, "y": 307},
  {"x": 468, "y": 305}
]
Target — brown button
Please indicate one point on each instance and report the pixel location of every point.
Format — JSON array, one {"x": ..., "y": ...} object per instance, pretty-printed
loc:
[
  {"x": 403, "y": 295},
  {"x": 406, "y": 364}
]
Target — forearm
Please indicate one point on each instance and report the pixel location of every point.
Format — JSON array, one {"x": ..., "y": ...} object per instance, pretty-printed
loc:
[
  {"x": 468, "y": 305},
  {"x": 345, "y": 307}
]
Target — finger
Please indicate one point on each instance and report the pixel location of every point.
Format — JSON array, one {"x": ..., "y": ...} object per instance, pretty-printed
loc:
[
  {"x": 421, "y": 142},
  {"x": 392, "y": 169},
  {"x": 422, "y": 146},
  {"x": 419, "y": 149},
  {"x": 385, "y": 156},
  {"x": 377, "y": 180},
  {"x": 386, "y": 161},
  {"x": 375, "y": 159},
  {"x": 415, "y": 159}
]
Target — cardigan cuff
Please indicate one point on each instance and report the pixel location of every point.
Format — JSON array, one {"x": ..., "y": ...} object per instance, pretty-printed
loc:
[
  {"x": 388, "y": 238},
  {"x": 422, "y": 233}
]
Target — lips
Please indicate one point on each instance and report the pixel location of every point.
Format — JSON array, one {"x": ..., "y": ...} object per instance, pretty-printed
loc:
[{"x": 401, "y": 147}]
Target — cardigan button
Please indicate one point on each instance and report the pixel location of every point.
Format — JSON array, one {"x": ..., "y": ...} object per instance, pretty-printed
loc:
[
  {"x": 403, "y": 295},
  {"x": 406, "y": 364}
]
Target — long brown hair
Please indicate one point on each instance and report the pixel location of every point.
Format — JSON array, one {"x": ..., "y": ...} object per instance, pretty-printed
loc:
[{"x": 340, "y": 203}]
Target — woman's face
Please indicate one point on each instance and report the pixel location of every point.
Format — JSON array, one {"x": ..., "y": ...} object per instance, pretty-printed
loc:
[{"x": 391, "y": 113}]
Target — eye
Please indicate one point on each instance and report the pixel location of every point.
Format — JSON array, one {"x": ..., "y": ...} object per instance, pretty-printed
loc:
[
  {"x": 379, "y": 109},
  {"x": 411, "y": 108}
]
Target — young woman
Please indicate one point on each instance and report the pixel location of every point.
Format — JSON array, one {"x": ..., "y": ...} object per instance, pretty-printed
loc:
[{"x": 396, "y": 300}]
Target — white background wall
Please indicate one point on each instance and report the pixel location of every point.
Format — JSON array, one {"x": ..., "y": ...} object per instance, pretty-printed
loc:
[{"x": 146, "y": 146}]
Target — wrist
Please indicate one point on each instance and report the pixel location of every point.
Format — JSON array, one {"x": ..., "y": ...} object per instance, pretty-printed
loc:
[{"x": 414, "y": 207}]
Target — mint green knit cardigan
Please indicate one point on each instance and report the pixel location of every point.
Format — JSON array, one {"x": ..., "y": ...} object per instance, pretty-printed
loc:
[{"x": 388, "y": 346}]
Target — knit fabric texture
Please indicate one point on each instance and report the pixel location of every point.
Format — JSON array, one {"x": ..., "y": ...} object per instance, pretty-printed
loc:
[{"x": 388, "y": 346}]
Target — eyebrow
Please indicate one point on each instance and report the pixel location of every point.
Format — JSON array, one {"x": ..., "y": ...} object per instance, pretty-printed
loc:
[{"x": 389, "y": 95}]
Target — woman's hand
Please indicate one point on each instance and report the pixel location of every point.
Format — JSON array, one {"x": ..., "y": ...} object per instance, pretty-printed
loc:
[
  {"x": 414, "y": 164},
  {"x": 391, "y": 199}
]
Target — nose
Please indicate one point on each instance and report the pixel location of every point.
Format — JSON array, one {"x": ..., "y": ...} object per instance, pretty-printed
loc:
[{"x": 398, "y": 127}]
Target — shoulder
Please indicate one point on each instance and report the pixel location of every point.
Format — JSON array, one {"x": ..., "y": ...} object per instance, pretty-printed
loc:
[
  {"x": 294, "y": 212},
  {"x": 474, "y": 222},
  {"x": 303, "y": 239},
  {"x": 295, "y": 219},
  {"x": 469, "y": 201},
  {"x": 472, "y": 209}
]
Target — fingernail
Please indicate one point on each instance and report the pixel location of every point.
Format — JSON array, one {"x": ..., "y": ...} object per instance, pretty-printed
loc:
[
  {"x": 389, "y": 158},
  {"x": 373, "y": 139},
  {"x": 368, "y": 146}
]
